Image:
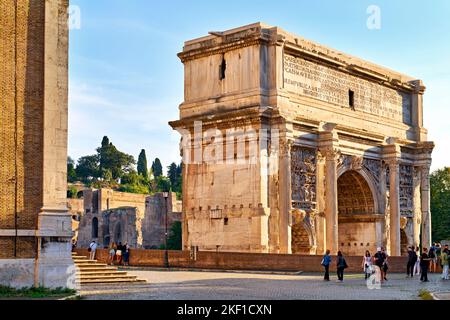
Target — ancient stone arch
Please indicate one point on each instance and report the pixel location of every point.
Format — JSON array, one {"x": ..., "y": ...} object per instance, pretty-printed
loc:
[{"x": 357, "y": 210}]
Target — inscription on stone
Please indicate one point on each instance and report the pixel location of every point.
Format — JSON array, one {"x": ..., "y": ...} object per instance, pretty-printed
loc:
[{"x": 332, "y": 86}]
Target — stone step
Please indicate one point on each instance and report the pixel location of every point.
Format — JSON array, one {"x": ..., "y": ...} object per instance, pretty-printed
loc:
[
  {"x": 88, "y": 265},
  {"x": 96, "y": 268},
  {"x": 107, "y": 277},
  {"x": 112, "y": 281},
  {"x": 102, "y": 273},
  {"x": 84, "y": 261}
]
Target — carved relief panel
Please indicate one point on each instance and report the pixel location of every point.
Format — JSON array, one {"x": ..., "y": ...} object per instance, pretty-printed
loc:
[
  {"x": 303, "y": 172},
  {"x": 406, "y": 189}
]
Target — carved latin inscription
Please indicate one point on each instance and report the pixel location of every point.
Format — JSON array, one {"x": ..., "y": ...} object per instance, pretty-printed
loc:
[{"x": 332, "y": 86}]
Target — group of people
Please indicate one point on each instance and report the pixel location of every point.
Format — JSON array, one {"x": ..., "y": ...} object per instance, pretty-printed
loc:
[
  {"x": 120, "y": 253},
  {"x": 378, "y": 264}
]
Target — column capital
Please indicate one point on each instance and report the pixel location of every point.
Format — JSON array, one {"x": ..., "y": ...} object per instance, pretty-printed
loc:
[
  {"x": 286, "y": 147},
  {"x": 329, "y": 153}
]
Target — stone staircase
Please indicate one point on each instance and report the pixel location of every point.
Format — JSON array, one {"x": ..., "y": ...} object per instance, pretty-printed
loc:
[{"x": 92, "y": 272}]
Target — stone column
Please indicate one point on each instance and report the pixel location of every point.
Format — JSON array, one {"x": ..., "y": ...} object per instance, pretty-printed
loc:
[
  {"x": 320, "y": 217},
  {"x": 331, "y": 200},
  {"x": 417, "y": 214},
  {"x": 54, "y": 265},
  {"x": 329, "y": 147},
  {"x": 425, "y": 201},
  {"x": 285, "y": 197},
  {"x": 394, "y": 193}
]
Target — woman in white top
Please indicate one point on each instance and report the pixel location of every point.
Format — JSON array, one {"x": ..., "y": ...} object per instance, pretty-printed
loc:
[
  {"x": 367, "y": 265},
  {"x": 416, "y": 270}
]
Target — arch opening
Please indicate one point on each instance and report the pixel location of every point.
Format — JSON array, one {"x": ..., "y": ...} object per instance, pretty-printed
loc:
[{"x": 356, "y": 212}]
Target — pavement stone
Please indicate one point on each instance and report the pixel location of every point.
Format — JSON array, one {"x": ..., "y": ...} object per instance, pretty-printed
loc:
[{"x": 189, "y": 285}]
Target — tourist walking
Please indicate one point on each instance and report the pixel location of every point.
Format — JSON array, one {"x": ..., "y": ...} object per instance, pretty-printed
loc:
[
  {"x": 341, "y": 265},
  {"x": 379, "y": 258},
  {"x": 126, "y": 254},
  {"x": 417, "y": 265},
  {"x": 92, "y": 249},
  {"x": 326, "y": 261},
  {"x": 385, "y": 264},
  {"x": 112, "y": 253},
  {"x": 433, "y": 258},
  {"x": 412, "y": 259},
  {"x": 424, "y": 265},
  {"x": 367, "y": 265},
  {"x": 445, "y": 263}
]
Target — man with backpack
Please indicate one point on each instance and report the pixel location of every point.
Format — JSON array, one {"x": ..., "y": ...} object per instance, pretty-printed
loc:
[
  {"x": 92, "y": 249},
  {"x": 326, "y": 261}
]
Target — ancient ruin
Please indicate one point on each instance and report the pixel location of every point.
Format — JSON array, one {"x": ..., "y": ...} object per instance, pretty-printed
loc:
[
  {"x": 137, "y": 219},
  {"x": 293, "y": 147},
  {"x": 35, "y": 226}
]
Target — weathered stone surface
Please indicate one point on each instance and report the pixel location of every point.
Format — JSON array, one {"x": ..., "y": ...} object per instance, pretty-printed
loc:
[
  {"x": 337, "y": 142},
  {"x": 34, "y": 222},
  {"x": 136, "y": 219}
]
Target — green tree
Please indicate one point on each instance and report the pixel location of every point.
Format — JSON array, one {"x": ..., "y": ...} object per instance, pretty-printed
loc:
[
  {"x": 142, "y": 164},
  {"x": 160, "y": 184},
  {"x": 88, "y": 168},
  {"x": 114, "y": 160},
  {"x": 174, "y": 241},
  {"x": 440, "y": 204},
  {"x": 174, "y": 175},
  {"x": 71, "y": 173},
  {"x": 157, "y": 168},
  {"x": 72, "y": 193}
]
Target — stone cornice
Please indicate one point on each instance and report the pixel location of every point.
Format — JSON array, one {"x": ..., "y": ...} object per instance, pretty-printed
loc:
[{"x": 252, "y": 114}]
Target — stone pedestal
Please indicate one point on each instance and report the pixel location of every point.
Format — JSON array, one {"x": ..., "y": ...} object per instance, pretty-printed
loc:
[{"x": 54, "y": 265}]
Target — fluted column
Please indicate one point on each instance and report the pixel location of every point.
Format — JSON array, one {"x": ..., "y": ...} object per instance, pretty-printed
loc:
[
  {"x": 426, "y": 213},
  {"x": 417, "y": 214},
  {"x": 331, "y": 200},
  {"x": 285, "y": 197},
  {"x": 394, "y": 193}
]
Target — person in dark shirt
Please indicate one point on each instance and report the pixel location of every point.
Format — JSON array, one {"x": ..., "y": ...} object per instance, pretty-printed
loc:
[
  {"x": 424, "y": 265},
  {"x": 412, "y": 258},
  {"x": 379, "y": 258}
]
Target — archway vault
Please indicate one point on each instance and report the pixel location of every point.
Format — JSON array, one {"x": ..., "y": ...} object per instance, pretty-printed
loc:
[
  {"x": 365, "y": 180},
  {"x": 357, "y": 209},
  {"x": 354, "y": 194}
]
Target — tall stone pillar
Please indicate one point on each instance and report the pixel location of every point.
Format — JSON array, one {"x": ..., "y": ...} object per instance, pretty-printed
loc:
[
  {"x": 331, "y": 201},
  {"x": 285, "y": 197},
  {"x": 320, "y": 217},
  {"x": 394, "y": 198},
  {"x": 54, "y": 265},
  {"x": 328, "y": 146},
  {"x": 417, "y": 214},
  {"x": 425, "y": 204}
]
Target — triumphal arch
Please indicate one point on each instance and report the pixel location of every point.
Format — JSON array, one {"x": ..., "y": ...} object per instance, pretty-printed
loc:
[{"x": 293, "y": 147}]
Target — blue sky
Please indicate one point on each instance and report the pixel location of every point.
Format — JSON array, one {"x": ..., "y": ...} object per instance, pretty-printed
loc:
[{"x": 126, "y": 80}]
